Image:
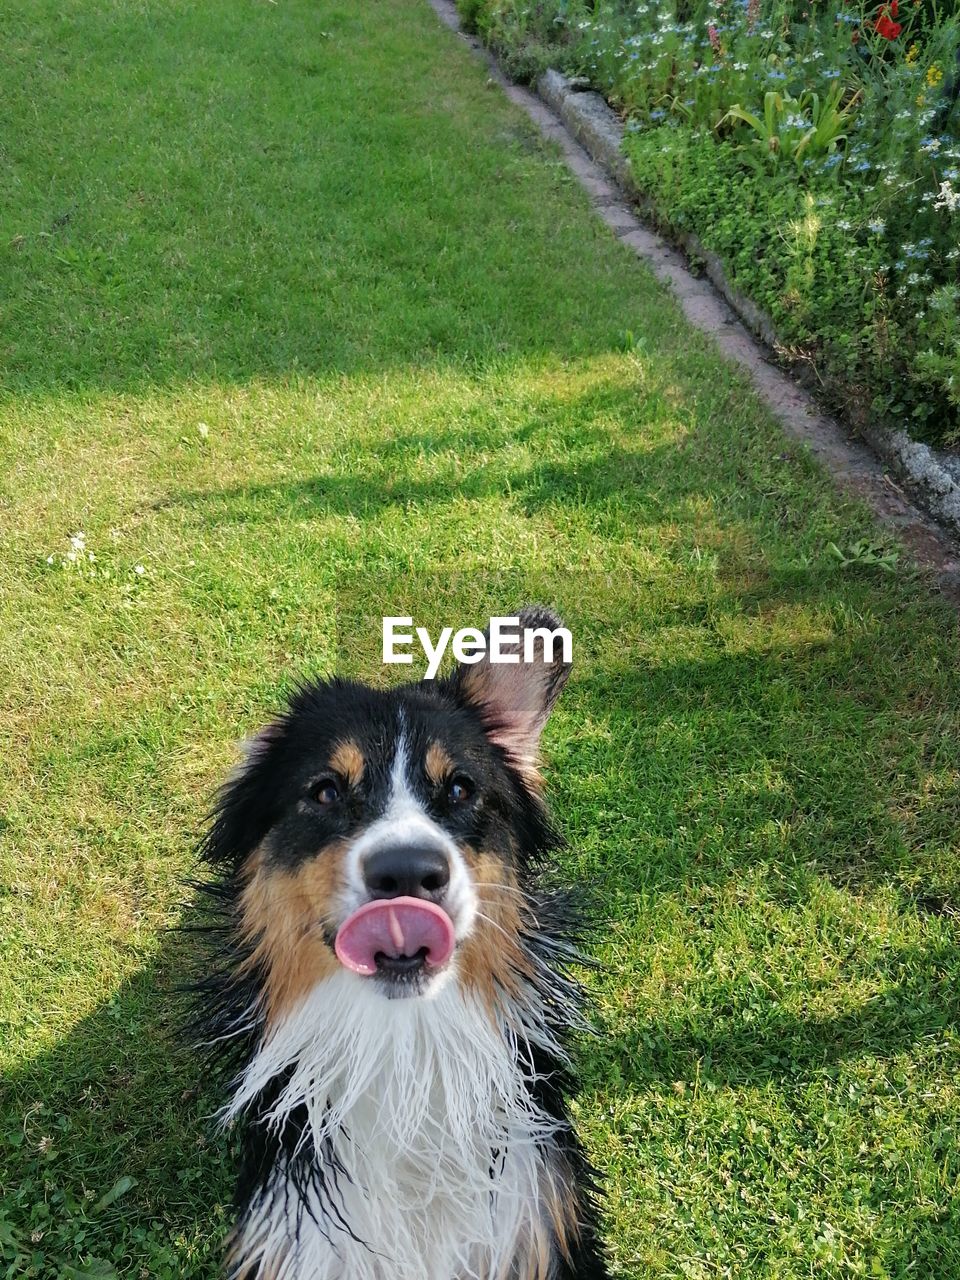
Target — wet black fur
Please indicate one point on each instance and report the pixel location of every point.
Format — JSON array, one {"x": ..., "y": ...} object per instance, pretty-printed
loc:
[{"x": 270, "y": 795}]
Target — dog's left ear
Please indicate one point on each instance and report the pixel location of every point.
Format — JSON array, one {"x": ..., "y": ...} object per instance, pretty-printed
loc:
[{"x": 514, "y": 698}]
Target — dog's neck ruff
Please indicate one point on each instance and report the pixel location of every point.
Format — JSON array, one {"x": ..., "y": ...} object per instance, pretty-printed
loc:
[{"x": 423, "y": 1155}]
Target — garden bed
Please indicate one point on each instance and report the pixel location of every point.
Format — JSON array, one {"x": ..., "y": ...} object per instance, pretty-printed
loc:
[{"x": 813, "y": 151}]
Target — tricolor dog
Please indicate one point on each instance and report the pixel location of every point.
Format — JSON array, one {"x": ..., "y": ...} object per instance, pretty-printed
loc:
[{"x": 391, "y": 988}]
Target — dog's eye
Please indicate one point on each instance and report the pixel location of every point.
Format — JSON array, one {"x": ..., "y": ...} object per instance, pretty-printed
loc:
[
  {"x": 326, "y": 792},
  {"x": 459, "y": 789}
]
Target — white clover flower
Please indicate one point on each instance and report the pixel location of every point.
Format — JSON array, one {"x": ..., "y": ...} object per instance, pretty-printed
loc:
[
  {"x": 139, "y": 570},
  {"x": 877, "y": 226},
  {"x": 843, "y": 224},
  {"x": 78, "y": 540}
]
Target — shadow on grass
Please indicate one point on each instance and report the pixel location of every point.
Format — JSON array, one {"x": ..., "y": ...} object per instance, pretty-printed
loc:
[{"x": 117, "y": 1109}]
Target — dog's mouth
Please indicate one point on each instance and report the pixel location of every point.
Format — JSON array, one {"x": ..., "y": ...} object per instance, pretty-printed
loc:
[{"x": 400, "y": 939}]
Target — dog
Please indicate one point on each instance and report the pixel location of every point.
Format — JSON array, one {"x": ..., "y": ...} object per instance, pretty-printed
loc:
[{"x": 391, "y": 989}]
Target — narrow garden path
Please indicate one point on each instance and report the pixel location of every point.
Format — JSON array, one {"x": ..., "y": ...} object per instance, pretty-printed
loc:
[{"x": 304, "y": 324}]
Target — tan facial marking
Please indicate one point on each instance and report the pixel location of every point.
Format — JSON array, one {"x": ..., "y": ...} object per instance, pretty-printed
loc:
[
  {"x": 492, "y": 960},
  {"x": 347, "y": 760},
  {"x": 437, "y": 763},
  {"x": 282, "y": 918}
]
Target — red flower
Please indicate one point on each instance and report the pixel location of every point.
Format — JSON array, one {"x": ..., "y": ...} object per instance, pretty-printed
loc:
[{"x": 884, "y": 26}]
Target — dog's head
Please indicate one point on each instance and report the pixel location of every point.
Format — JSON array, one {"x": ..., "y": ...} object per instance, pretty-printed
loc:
[{"x": 387, "y": 832}]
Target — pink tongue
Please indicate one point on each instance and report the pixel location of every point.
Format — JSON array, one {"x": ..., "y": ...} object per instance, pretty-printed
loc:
[{"x": 396, "y": 927}]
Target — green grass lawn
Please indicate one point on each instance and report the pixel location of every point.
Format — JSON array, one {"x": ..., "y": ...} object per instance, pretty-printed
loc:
[{"x": 303, "y": 321}]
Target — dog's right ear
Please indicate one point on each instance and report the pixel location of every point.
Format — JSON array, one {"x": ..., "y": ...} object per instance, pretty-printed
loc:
[
  {"x": 514, "y": 698},
  {"x": 242, "y": 814}
]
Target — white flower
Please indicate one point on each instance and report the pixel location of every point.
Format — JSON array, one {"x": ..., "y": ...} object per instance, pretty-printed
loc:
[
  {"x": 139, "y": 569},
  {"x": 78, "y": 540},
  {"x": 876, "y": 225},
  {"x": 843, "y": 224},
  {"x": 49, "y": 559},
  {"x": 202, "y": 430},
  {"x": 948, "y": 198}
]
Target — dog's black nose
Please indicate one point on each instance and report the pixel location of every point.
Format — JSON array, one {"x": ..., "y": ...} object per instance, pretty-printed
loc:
[{"x": 405, "y": 870}]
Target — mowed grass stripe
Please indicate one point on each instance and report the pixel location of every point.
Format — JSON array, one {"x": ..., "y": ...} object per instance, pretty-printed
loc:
[{"x": 302, "y": 320}]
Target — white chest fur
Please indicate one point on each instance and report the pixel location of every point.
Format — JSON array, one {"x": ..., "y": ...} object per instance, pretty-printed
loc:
[{"x": 442, "y": 1161}]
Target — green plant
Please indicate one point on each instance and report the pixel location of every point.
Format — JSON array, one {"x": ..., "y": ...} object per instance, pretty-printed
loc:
[
  {"x": 865, "y": 553},
  {"x": 798, "y": 129}
]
